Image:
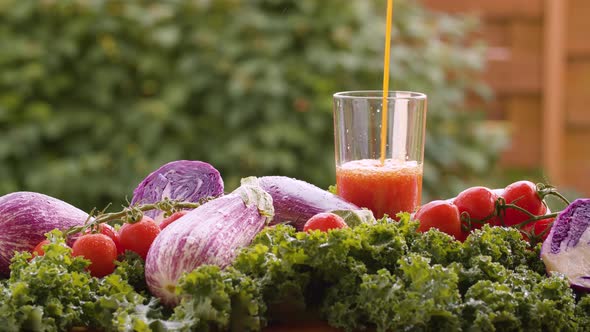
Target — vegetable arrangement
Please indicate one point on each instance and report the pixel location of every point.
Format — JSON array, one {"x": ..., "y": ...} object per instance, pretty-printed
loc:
[{"x": 228, "y": 263}]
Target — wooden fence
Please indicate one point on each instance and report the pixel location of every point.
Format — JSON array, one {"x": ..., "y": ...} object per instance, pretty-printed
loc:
[{"x": 539, "y": 68}]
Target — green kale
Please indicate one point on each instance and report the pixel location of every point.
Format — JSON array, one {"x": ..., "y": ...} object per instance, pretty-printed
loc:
[
  {"x": 54, "y": 292},
  {"x": 478, "y": 268},
  {"x": 277, "y": 261},
  {"x": 132, "y": 269},
  {"x": 504, "y": 245},
  {"x": 440, "y": 247},
  {"x": 582, "y": 312},
  {"x": 534, "y": 262},
  {"x": 46, "y": 292},
  {"x": 524, "y": 301},
  {"x": 554, "y": 307},
  {"x": 421, "y": 297},
  {"x": 491, "y": 306},
  {"x": 219, "y": 300},
  {"x": 341, "y": 307}
]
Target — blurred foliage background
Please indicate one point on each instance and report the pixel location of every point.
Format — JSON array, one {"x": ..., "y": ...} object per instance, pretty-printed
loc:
[{"x": 94, "y": 95}]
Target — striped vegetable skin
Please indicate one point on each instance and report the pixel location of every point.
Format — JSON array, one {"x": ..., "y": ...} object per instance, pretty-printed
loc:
[
  {"x": 181, "y": 180},
  {"x": 296, "y": 201},
  {"x": 210, "y": 234},
  {"x": 25, "y": 217}
]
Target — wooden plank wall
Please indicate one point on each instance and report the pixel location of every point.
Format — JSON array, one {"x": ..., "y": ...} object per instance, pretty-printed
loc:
[{"x": 539, "y": 68}]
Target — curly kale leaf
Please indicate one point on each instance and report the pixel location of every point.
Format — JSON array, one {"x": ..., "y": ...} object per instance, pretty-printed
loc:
[
  {"x": 276, "y": 260},
  {"x": 132, "y": 269},
  {"x": 534, "y": 263},
  {"x": 54, "y": 292},
  {"x": 504, "y": 245},
  {"x": 478, "y": 268},
  {"x": 421, "y": 297},
  {"x": 582, "y": 312},
  {"x": 219, "y": 300},
  {"x": 524, "y": 301},
  {"x": 46, "y": 292},
  {"x": 440, "y": 247}
]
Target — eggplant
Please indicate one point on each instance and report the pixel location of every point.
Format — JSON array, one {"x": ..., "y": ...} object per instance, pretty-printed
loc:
[
  {"x": 210, "y": 234},
  {"x": 181, "y": 180},
  {"x": 567, "y": 247},
  {"x": 25, "y": 217},
  {"x": 295, "y": 201}
]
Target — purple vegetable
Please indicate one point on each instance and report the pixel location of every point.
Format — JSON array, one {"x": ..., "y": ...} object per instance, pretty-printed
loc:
[
  {"x": 296, "y": 201},
  {"x": 567, "y": 248},
  {"x": 181, "y": 180},
  {"x": 209, "y": 234},
  {"x": 25, "y": 217}
]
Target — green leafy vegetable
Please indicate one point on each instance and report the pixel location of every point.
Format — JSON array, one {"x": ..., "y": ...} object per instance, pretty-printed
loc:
[
  {"x": 54, "y": 293},
  {"x": 384, "y": 276},
  {"x": 222, "y": 300}
]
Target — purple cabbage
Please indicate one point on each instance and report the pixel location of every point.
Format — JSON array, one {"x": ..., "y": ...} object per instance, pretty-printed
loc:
[
  {"x": 25, "y": 217},
  {"x": 181, "y": 180},
  {"x": 567, "y": 247}
]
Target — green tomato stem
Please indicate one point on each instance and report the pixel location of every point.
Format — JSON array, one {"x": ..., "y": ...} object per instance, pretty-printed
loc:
[{"x": 130, "y": 214}]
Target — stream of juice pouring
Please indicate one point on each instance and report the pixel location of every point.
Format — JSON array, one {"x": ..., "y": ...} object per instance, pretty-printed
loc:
[{"x": 386, "y": 58}]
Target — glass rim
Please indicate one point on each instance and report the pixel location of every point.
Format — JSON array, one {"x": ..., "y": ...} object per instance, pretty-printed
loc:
[{"x": 378, "y": 95}]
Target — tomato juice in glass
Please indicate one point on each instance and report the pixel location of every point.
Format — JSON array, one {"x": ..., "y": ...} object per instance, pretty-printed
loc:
[
  {"x": 379, "y": 155},
  {"x": 384, "y": 189}
]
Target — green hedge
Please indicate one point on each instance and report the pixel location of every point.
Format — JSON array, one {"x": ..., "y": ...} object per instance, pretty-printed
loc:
[{"x": 96, "y": 94}]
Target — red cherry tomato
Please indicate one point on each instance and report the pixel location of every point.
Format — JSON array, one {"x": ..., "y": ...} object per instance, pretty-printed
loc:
[
  {"x": 479, "y": 203},
  {"x": 100, "y": 250},
  {"x": 173, "y": 217},
  {"x": 38, "y": 251},
  {"x": 138, "y": 237},
  {"x": 537, "y": 228},
  {"x": 442, "y": 215},
  {"x": 324, "y": 222},
  {"x": 109, "y": 231},
  {"x": 522, "y": 194}
]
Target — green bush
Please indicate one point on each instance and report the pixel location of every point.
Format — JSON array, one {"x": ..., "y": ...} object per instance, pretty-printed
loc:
[{"x": 94, "y": 95}]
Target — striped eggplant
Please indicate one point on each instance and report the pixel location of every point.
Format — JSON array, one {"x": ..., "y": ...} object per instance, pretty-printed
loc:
[
  {"x": 210, "y": 234},
  {"x": 295, "y": 201},
  {"x": 180, "y": 180},
  {"x": 25, "y": 217}
]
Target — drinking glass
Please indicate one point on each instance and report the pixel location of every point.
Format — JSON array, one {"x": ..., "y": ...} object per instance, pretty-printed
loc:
[{"x": 375, "y": 169}]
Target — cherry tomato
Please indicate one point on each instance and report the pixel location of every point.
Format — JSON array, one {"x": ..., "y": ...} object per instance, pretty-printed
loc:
[
  {"x": 538, "y": 227},
  {"x": 109, "y": 231},
  {"x": 442, "y": 215},
  {"x": 100, "y": 250},
  {"x": 479, "y": 203},
  {"x": 324, "y": 222},
  {"x": 173, "y": 217},
  {"x": 522, "y": 194},
  {"x": 38, "y": 251},
  {"x": 138, "y": 237}
]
